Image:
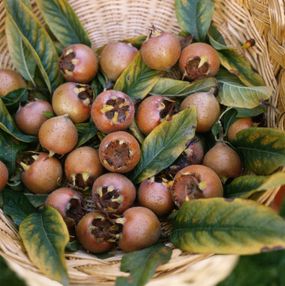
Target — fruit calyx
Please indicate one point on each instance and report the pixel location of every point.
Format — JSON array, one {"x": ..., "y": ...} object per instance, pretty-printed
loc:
[
  {"x": 84, "y": 93},
  {"x": 197, "y": 67},
  {"x": 68, "y": 61}
]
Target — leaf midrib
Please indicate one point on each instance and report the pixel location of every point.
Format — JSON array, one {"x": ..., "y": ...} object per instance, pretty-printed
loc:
[{"x": 261, "y": 150}]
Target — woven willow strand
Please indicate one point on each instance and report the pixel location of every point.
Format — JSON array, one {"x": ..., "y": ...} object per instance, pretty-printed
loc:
[{"x": 106, "y": 20}]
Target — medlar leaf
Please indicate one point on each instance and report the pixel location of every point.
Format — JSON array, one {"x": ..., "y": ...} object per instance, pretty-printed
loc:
[
  {"x": 16, "y": 205},
  {"x": 234, "y": 62},
  {"x": 246, "y": 186},
  {"x": 86, "y": 131},
  {"x": 165, "y": 143},
  {"x": 262, "y": 149},
  {"x": 37, "y": 40},
  {"x": 194, "y": 17},
  {"x": 179, "y": 88},
  {"x": 45, "y": 237},
  {"x": 63, "y": 22},
  {"x": 227, "y": 227},
  {"x": 15, "y": 98},
  {"x": 137, "y": 80},
  {"x": 136, "y": 41},
  {"x": 142, "y": 264}
]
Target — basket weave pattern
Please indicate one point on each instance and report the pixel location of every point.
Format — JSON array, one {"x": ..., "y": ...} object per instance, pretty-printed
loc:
[{"x": 238, "y": 21}]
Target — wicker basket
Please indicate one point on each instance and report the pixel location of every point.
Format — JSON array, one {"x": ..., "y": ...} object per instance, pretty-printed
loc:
[{"x": 237, "y": 20}]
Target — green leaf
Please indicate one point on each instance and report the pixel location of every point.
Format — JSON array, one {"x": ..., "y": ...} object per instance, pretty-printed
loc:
[
  {"x": 165, "y": 143},
  {"x": 15, "y": 98},
  {"x": 8, "y": 276},
  {"x": 262, "y": 149},
  {"x": 45, "y": 237},
  {"x": 266, "y": 269},
  {"x": 16, "y": 205},
  {"x": 20, "y": 55},
  {"x": 136, "y": 41},
  {"x": 37, "y": 40},
  {"x": 137, "y": 80},
  {"x": 176, "y": 88},
  {"x": 234, "y": 62},
  {"x": 245, "y": 112},
  {"x": 63, "y": 22},
  {"x": 227, "y": 227},
  {"x": 194, "y": 17},
  {"x": 136, "y": 132},
  {"x": 86, "y": 131},
  {"x": 37, "y": 200},
  {"x": 8, "y": 125},
  {"x": 236, "y": 95},
  {"x": 9, "y": 149},
  {"x": 142, "y": 264}
]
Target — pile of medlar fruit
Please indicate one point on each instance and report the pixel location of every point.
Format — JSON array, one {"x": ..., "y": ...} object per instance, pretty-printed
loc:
[{"x": 122, "y": 214}]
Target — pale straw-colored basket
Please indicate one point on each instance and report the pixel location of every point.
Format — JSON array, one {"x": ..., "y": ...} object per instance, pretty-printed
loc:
[{"x": 106, "y": 20}]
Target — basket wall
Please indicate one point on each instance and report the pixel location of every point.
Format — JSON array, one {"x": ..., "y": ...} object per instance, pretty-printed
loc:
[{"x": 238, "y": 21}]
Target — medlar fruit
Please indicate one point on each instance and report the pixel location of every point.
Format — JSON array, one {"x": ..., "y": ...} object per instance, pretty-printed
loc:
[
  {"x": 4, "y": 176},
  {"x": 41, "y": 173},
  {"x": 74, "y": 100},
  {"x": 239, "y": 125},
  {"x": 10, "y": 81},
  {"x": 195, "y": 182},
  {"x": 199, "y": 60},
  {"x": 113, "y": 193},
  {"x": 30, "y": 117},
  {"x": 58, "y": 135},
  {"x": 119, "y": 152},
  {"x": 161, "y": 51},
  {"x": 115, "y": 57},
  {"x": 224, "y": 161},
  {"x": 78, "y": 63},
  {"x": 112, "y": 111}
]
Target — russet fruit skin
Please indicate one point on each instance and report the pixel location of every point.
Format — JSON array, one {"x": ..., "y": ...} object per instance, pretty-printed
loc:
[
  {"x": 141, "y": 229},
  {"x": 224, "y": 161},
  {"x": 196, "y": 182},
  {"x": 30, "y": 117},
  {"x": 93, "y": 234},
  {"x": 43, "y": 175},
  {"x": 151, "y": 111},
  {"x": 239, "y": 125},
  {"x": 199, "y": 60},
  {"x": 113, "y": 193},
  {"x": 82, "y": 166},
  {"x": 156, "y": 196},
  {"x": 10, "y": 81},
  {"x": 69, "y": 204},
  {"x": 162, "y": 51},
  {"x": 119, "y": 152},
  {"x": 112, "y": 111},
  {"x": 115, "y": 57},
  {"x": 74, "y": 100},
  {"x": 58, "y": 135},
  {"x": 78, "y": 63},
  {"x": 4, "y": 176},
  {"x": 207, "y": 107}
]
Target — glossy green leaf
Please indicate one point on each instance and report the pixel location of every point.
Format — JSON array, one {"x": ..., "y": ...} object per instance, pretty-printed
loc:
[
  {"x": 194, "y": 17},
  {"x": 245, "y": 112},
  {"x": 8, "y": 276},
  {"x": 21, "y": 56},
  {"x": 136, "y": 132},
  {"x": 37, "y": 200},
  {"x": 8, "y": 125},
  {"x": 142, "y": 264},
  {"x": 245, "y": 186},
  {"x": 234, "y": 62},
  {"x": 37, "y": 40},
  {"x": 16, "y": 205},
  {"x": 262, "y": 149},
  {"x": 227, "y": 227},
  {"x": 179, "y": 88},
  {"x": 165, "y": 143},
  {"x": 45, "y": 237},
  {"x": 63, "y": 22},
  {"x": 137, "y": 80},
  {"x": 15, "y": 98},
  {"x": 236, "y": 95},
  {"x": 86, "y": 131},
  {"x": 9, "y": 149}
]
